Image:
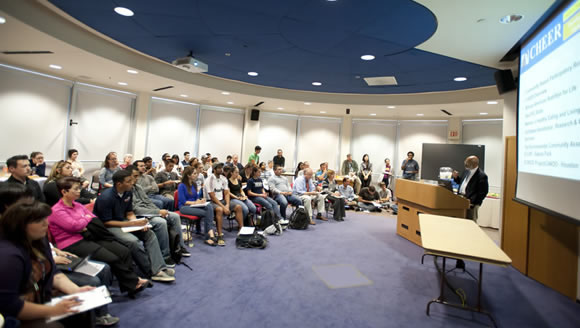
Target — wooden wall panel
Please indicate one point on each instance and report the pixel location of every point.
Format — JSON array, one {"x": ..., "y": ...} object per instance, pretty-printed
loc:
[
  {"x": 553, "y": 252},
  {"x": 515, "y": 220}
]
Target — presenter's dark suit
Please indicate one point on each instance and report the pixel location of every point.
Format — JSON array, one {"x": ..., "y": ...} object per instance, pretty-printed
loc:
[{"x": 476, "y": 190}]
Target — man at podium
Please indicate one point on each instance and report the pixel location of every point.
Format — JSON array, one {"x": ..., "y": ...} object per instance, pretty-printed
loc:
[{"x": 473, "y": 185}]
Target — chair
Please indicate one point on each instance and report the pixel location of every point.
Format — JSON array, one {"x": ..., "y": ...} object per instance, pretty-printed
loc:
[
  {"x": 95, "y": 183},
  {"x": 190, "y": 219},
  {"x": 90, "y": 206}
]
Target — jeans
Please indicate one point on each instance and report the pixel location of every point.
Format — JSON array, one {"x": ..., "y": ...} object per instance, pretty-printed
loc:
[
  {"x": 366, "y": 207},
  {"x": 247, "y": 206},
  {"x": 204, "y": 213},
  {"x": 283, "y": 200},
  {"x": 148, "y": 258},
  {"x": 162, "y": 202},
  {"x": 160, "y": 229},
  {"x": 174, "y": 221},
  {"x": 268, "y": 203}
]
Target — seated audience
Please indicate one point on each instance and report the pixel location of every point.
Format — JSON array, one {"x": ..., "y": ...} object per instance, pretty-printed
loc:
[
  {"x": 29, "y": 274},
  {"x": 350, "y": 169},
  {"x": 110, "y": 166},
  {"x": 305, "y": 165},
  {"x": 366, "y": 171},
  {"x": 167, "y": 180},
  {"x": 281, "y": 191},
  {"x": 19, "y": 168},
  {"x": 114, "y": 207},
  {"x": 237, "y": 195},
  {"x": 186, "y": 159},
  {"x": 246, "y": 174},
  {"x": 189, "y": 194},
  {"x": 199, "y": 177},
  {"x": 236, "y": 163},
  {"x": 347, "y": 192},
  {"x": 299, "y": 168},
  {"x": 279, "y": 159},
  {"x": 151, "y": 188},
  {"x": 78, "y": 169},
  {"x": 209, "y": 171},
  {"x": 321, "y": 174},
  {"x": 161, "y": 220},
  {"x": 333, "y": 196},
  {"x": 257, "y": 194},
  {"x": 305, "y": 189},
  {"x": 193, "y": 160},
  {"x": 76, "y": 230},
  {"x": 127, "y": 160},
  {"x": 178, "y": 168},
  {"x": 367, "y": 199},
  {"x": 161, "y": 165},
  {"x": 216, "y": 187},
  {"x": 149, "y": 168},
  {"x": 384, "y": 194},
  {"x": 268, "y": 172},
  {"x": 37, "y": 164},
  {"x": 228, "y": 161},
  {"x": 60, "y": 170}
]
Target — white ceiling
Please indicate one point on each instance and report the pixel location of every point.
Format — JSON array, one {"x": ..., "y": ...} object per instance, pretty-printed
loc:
[{"x": 484, "y": 43}]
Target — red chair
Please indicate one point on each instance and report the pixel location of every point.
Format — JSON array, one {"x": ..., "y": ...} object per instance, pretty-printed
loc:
[
  {"x": 90, "y": 206},
  {"x": 190, "y": 219}
]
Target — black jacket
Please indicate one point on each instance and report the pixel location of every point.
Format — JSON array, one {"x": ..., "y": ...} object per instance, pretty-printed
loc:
[{"x": 477, "y": 188}]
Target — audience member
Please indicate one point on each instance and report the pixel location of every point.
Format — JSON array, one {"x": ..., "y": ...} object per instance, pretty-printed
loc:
[
  {"x": 200, "y": 178},
  {"x": 127, "y": 160},
  {"x": 149, "y": 168},
  {"x": 368, "y": 199},
  {"x": 178, "y": 167},
  {"x": 228, "y": 161},
  {"x": 350, "y": 169},
  {"x": 237, "y": 194},
  {"x": 186, "y": 159},
  {"x": 333, "y": 196},
  {"x": 110, "y": 166},
  {"x": 366, "y": 171},
  {"x": 19, "y": 168},
  {"x": 161, "y": 165},
  {"x": 192, "y": 202},
  {"x": 216, "y": 187},
  {"x": 321, "y": 174},
  {"x": 37, "y": 164},
  {"x": 305, "y": 165},
  {"x": 78, "y": 169},
  {"x": 114, "y": 207},
  {"x": 167, "y": 180},
  {"x": 305, "y": 189},
  {"x": 70, "y": 222},
  {"x": 246, "y": 174},
  {"x": 256, "y": 193},
  {"x": 347, "y": 192},
  {"x": 151, "y": 188},
  {"x": 387, "y": 172},
  {"x": 281, "y": 191},
  {"x": 384, "y": 194},
  {"x": 255, "y": 157},
  {"x": 410, "y": 167},
  {"x": 279, "y": 159},
  {"x": 299, "y": 168},
  {"x": 60, "y": 170},
  {"x": 236, "y": 163}
]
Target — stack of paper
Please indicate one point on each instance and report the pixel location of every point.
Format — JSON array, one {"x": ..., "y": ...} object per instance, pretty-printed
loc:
[
  {"x": 90, "y": 300},
  {"x": 135, "y": 228}
]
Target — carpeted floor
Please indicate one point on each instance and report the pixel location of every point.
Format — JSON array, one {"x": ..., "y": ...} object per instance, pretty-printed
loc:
[{"x": 279, "y": 287}]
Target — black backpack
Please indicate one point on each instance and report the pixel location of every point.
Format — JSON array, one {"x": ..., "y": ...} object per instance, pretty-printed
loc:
[
  {"x": 254, "y": 240},
  {"x": 299, "y": 219},
  {"x": 174, "y": 246},
  {"x": 268, "y": 218}
]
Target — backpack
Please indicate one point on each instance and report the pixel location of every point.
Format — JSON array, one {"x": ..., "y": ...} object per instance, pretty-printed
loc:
[
  {"x": 299, "y": 219},
  {"x": 174, "y": 246},
  {"x": 254, "y": 240},
  {"x": 267, "y": 219}
]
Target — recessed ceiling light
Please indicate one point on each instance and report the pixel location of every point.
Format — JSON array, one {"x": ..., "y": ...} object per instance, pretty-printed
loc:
[
  {"x": 492, "y": 102},
  {"x": 228, "y": 54},
  {"x": 124, "y": 11},
  {"x": 482, "y": 113},
  {"x": 230, "y": 102},
  {"x": 122, "y": 83},
  {"x": 281, "y": 108},
  {"x": 357, "y": 77},
  {"x": 367, "y": 57},
  {"x": 55, "y": 66},
  {"x": 373, "y": 114},
  {"x": 317, "y": 84},
  {"x": 132, "y": 71},
  {"x": 391, "y": 107},
  {"x": 307, "y": 103},
  {"x": 225, "y": 93},
  {"x": 510, "y": 19},
  {"x": 460, "y": 79},
  {"x": 420, "y": 114},
  {"x": 184, "y": 96},
  {"x": 322, "y": 112},
  {"x": 252, "y": 73},
  {"x": 2, "y": 20}
]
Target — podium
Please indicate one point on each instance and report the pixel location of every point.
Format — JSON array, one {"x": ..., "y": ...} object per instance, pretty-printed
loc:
[{"x": 416, "y": 197}]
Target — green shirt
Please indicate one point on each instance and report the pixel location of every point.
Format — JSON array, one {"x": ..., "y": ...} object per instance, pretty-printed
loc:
[{"x": 254, "y": 157}]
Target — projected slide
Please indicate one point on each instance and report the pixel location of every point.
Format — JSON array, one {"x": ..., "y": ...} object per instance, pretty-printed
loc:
[{"x": 549, "y": 99}]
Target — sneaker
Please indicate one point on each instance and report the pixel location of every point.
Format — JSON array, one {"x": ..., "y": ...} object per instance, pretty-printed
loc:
[
  {"x": 221, "y": 241},
  {"x": 185, "y": 253},
  {"x": 106, "y": 320},
  {"x": 169, "y": 271},
  {"x": 163, "y": 277},
  {"x": 169, "y": 263},
  {"x": 278, "y": 228}
]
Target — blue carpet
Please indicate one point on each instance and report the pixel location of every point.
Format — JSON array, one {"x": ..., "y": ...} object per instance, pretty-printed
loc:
[{"x": 278, "y": 287}]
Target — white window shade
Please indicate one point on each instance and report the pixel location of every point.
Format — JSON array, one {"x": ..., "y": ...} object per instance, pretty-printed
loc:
[
  {"x": 488, "y": 133},
  {"x": 221, "y": 131},
  {"x": 34, "y": 114},
  {"x": 104, "y": 123},
  {"x": 412, "y": 136},
  {"x": 172, "y": 128},
  {"x": 278, "y": 132},
  {"x": 319, "y": 141},
  {"x": 377, "y": 139}
]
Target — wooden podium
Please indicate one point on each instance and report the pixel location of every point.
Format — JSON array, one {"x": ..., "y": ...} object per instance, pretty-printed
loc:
[{"x": 415, "y": 197}]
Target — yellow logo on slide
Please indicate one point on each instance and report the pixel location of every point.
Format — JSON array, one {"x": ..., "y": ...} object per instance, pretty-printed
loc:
[
  {"x": 573, "y": 9},
  {"x": 572, "y": 26}
]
